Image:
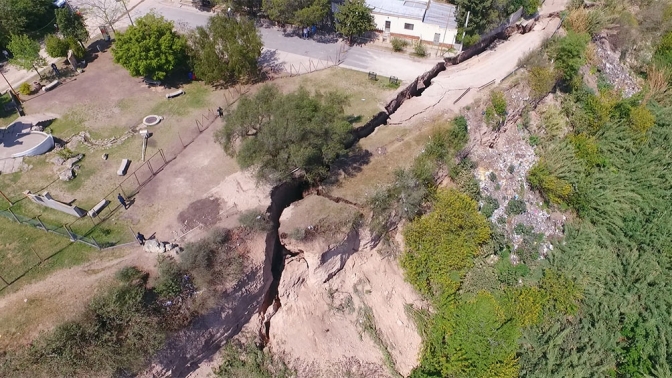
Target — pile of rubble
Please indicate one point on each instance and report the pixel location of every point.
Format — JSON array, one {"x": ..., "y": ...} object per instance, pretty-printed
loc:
[
  {"x": 85, "y": 138},
  {"x": 504, "y": 157},
  {"x": 616, "y": 73},
  {"x": 66, "y": 168},
  {"x": 155, "y": 246}
]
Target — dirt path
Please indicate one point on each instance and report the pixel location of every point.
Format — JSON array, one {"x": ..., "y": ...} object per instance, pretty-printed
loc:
[{"x": 61, "y": 296}]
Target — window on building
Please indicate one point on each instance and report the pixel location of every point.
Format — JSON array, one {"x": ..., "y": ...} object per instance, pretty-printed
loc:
[{"x": 408, "y": 26}]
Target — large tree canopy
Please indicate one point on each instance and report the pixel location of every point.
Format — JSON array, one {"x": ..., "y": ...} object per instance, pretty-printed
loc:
[
  {"x": 275, "y": 134},
  {"x": 150, "y": 48},
  {"x": 354, "y": 18},
  {"x": 71, "y": 24},
  {"x": 25, "y": 16},
  {"x": 226, "y": 50},
  {"x": 26, "y": 53},
  {"x": 301, "y": 12}
]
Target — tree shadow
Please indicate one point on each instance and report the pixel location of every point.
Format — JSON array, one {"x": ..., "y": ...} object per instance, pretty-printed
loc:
[
  {"x": 349, "y": 165},
  {"x": 187, "y": 349},
  {"x": 269, "y": 63},
  {"x": 352, "y": 119}
]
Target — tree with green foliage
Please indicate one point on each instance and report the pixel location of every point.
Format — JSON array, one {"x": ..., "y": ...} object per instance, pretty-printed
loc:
[
  {"x": 225, "y": 51},
  {"x": 71, "y": 25},
  {"x": 301, "y": 12},
  {"x": 32, "y": 17},
  {"x": 441, "y": 245},
  {"x": 150, "y": 48},
  {"x": 56, "y": 46},
  {"x": 278, "y": 134},
  {"x": 354, "y": 18},
  {"x": 26, "y": 53}
]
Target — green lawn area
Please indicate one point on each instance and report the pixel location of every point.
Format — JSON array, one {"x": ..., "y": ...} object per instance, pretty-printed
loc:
[{"x": 20, "y": 246}]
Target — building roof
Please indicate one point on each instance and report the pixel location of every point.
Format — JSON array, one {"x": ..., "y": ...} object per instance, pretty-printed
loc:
[
  {"x": 400, "y": 8},
  {"x": 441, "y": 14}
]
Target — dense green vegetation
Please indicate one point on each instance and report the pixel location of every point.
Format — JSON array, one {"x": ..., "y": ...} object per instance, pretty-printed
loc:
[
  {"x": 278, "y": 134},
  {"x": 487, "y": 15},
  {"x": 150, "y": 48},
  {"x": 124, "y": 325},
  {"x": 354, "y": 18},
  {"x": 226, "y": 50},
  {"x": 33, "y": 17},
  {"x": 599, "y": 305}
]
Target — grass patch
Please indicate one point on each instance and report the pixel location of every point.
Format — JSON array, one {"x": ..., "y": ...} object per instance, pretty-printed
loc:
[
  {"x": 196, "y": 96},
  {"x": 19, "y": 245},
  {"x": 70, "y": 123}
]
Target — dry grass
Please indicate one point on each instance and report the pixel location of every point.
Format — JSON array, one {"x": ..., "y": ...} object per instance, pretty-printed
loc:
[
  {"x": 402, "y": 146},
  {"x": 657, "y": 80}
]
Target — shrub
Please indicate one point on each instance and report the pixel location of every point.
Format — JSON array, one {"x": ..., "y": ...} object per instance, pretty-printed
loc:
[
  {"x": 56, "y": 47},
  {"x": 169, "y": 283},
  {"x": 641, "y": 120},
  {"x": 552, "y": 188},
  {"x": 441, "y": 245},
  {"x": 489, "y": 206},
  {"x": 419, "y": 49},
  {"x": 246, "y": 360},
  {"x": 492, "y": 176},
  {"x": 511, "y": 168},
  {"x": 65, "y": 153},
  {"x": 515, "y": 207},
  {"x": 509, "y": 274},
  {"x": 498, "y": 102},
  {"x": 398, "y": 44},
  {"x": 570, "y": 54},
  {"x": 130, "y": 274},
  {"x": 25, "y": 89},
  {"x": 212, "y": 260},
  {"x": 542, "y": 80},
  {"x": 534, "y": 140},
  {"x": 298, "y": 233},
  {"x": 255, "y": 220}
]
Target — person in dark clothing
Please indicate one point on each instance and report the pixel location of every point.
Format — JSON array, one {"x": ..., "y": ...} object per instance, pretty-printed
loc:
[
  {"x": 141, "y": 238},
  {"x": 313, "y": 30},
  {"x": 122, "y": 201},
  {"x": 220, "y": 111}
]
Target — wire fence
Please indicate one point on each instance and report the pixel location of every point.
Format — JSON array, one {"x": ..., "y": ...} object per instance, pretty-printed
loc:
[{"x": 81, "y": 229}]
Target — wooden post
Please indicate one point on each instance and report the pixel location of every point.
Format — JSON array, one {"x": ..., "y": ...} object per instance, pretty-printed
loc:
[
  {"x": 150, "y": 168},
  {"x": 43, "y": 226},
  {"x": 136, "y": 179},
  {"x": 178, "y": 135},
  {"x": 38, "y": 256},
  {"x": 15, "y": 218},
  {"x": 163, "y": 157},
  {"x": 5, "y": 197}
]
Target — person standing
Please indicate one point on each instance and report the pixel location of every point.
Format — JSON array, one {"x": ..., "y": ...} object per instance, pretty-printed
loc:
[
  {"x": 220, "y": 112},
  {"x": 313, "y": 30},
  {"x": 140, "y": 238},
  {"x": 122, "y": 201}
]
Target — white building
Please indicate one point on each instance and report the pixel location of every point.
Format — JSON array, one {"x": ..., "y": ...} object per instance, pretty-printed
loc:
[{"x": 425, "y": 20}]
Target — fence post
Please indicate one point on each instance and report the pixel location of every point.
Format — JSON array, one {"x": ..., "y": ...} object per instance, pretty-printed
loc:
[
  {"x": 178, "y": 135},
  {"x": 72, "y": 236},
  {"x": 43, "y": 226},
  {"x": 95, "y": 242},
  {"x": 38, "y": 256},
  {"x": 5, "y": 197},
  {"x": 163, "y": 157},
  {"x": 150, "y": 168},
  {"x": 14, "y": 216},
  {"x": 136, "y": 178}
]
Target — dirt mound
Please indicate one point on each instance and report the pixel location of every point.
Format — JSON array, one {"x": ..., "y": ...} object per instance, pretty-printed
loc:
[{"x": 201, "y": 212}]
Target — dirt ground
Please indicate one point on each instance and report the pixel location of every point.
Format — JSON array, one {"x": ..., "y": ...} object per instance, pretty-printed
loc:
[{"x": 62, "y": 296}]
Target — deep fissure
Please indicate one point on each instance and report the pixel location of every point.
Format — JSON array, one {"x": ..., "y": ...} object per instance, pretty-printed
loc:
[{"x": 283, "y": 195}]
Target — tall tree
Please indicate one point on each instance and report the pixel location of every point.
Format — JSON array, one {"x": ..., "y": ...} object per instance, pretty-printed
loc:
[
  {"x": 276, "y": 134},
  {"x": 150, "y": 48},
  {"x": 26, "y": 53},
  {"x": 354, "y": 18},
  {"x": 71, "y": 24},
  {"x": 107, "y": 11},
  {"x": 25, "y": 16},
  {"x": 301, "y": 12},
  {"x": 226, "y": 50}
]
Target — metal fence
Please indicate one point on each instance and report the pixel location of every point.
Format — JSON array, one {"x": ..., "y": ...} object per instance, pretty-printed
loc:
[{"x": 80, "y": 230}]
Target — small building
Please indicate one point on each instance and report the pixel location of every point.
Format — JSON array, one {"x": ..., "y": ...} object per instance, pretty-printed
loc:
[{"x": 424, "y": 20}]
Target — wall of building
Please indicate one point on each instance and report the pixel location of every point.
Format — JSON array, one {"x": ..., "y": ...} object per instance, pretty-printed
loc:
[{"x": 420, "y": 30}]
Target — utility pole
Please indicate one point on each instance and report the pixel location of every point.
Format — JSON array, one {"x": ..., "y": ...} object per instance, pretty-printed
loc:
[
  {"x": 127, "y": 12},
  {"x": 7, "y": 81}
]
